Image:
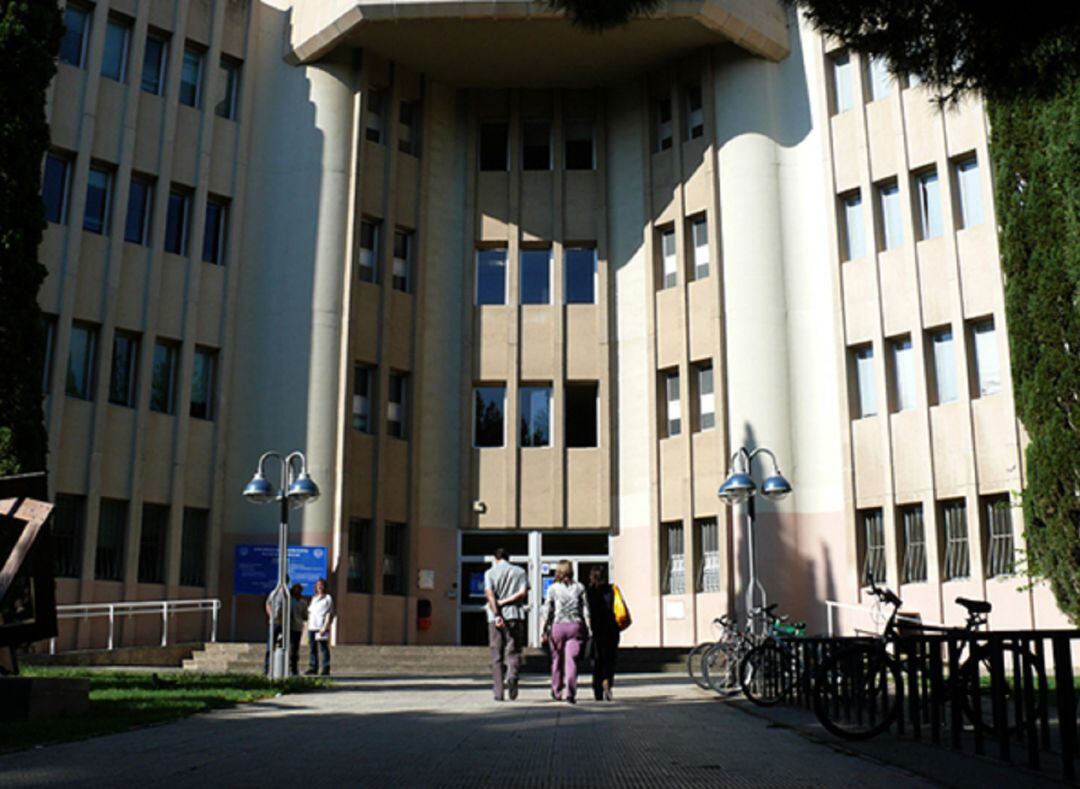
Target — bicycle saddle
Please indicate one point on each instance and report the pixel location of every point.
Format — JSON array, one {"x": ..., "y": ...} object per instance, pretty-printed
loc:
[{"x": 974, "y": 606}]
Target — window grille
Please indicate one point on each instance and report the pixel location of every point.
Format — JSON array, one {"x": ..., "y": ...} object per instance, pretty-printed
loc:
[
  {"x": 394, "y": 559},
  {"x": 68, "y": 523},
  {"x": 109, "y": 556},
  {"x": 957, "y": 556},
  {"x": 874, "y": 541},
  {"x": 914, "y": 544},
  {"x": 359, "y": 579},
  {"x": 675, "y": 571},
  {"x": 709, "y": 574},
  {"x": 1000, "y": 556}
]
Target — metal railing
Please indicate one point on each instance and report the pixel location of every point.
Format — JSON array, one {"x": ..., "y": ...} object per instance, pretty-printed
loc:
[
  {"x": 162, "y": 608},
  {"x": 874, "y": 615}
]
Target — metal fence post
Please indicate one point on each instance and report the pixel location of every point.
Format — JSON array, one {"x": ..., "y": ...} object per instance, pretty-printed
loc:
[
  {"x": 112, "y": 622},
  {"x": 214, "y": 618},
  {"x": 164, "y": 623}
]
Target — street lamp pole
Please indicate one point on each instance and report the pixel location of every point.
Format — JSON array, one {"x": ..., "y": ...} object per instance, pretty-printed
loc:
[
  {"x": 296, "y": 489},
  {"x": 738, "y": 488}
]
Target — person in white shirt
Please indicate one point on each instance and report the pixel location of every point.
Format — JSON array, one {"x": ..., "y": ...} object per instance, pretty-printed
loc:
[{"x": 320, "y": 615}]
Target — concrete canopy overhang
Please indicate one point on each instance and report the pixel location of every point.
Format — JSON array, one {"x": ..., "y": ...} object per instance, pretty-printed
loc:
[{"x": 492, "y": 43}]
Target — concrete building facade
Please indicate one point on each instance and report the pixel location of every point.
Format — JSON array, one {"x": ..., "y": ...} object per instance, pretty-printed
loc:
[{"x": 509, "y": 283}]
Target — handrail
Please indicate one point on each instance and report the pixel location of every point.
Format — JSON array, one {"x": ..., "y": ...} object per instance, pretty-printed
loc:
[
  {"x": 132, "y": 608},
  {"x": 870, "y": 611}
]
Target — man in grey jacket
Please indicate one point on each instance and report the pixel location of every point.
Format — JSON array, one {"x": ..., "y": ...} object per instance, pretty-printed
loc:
[{"x": 505, "y": 587}]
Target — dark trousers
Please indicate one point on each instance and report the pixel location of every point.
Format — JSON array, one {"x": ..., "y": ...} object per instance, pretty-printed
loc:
[
  {"x": 605, "y": 656},
  {"x": 319, "y": 649},
  {"x": 294, "y": 650},
  {"x": 506, "y": 644}
]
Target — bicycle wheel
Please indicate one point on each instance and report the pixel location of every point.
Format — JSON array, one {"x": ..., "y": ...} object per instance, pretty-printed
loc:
[
  {"x": 857, "y": 692},
  {"x": 693, "y": 664},
  {"x": 767, "y": 674},
  {"x": 718, "y": 669},
  {"x": 1017, "y": 662}
]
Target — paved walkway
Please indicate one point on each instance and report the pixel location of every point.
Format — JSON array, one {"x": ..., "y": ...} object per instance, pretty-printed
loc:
[{"x": 660, "y": 732}]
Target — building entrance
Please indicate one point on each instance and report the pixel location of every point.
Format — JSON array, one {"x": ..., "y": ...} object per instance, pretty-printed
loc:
[{"x": 538, "y": 552}]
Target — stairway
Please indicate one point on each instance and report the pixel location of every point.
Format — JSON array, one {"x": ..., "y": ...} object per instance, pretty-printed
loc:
[{"x": 444, "y": 661}]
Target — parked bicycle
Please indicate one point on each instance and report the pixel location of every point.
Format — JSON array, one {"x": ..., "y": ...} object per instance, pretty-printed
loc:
[
  {"x": 739, "y": 660},
  {"x": 857, "y": 691}
]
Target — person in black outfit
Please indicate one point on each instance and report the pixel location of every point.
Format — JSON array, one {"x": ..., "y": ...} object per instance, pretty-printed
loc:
[{"x": 605, "y": 632}]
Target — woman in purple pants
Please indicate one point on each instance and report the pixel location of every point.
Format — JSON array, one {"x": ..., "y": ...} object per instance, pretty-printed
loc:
[{"x": 566, "y": 627}]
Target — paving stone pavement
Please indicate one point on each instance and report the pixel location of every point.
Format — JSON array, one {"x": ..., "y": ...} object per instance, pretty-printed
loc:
[{"x": 660, "y": 731}]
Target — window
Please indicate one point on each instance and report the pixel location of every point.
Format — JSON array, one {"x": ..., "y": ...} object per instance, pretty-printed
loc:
[
  {"x": 191, "y": 78},
  {"x": 140, "y": 203},
  {"x": 708, "y": 577},
  {"x": 489, "y": 407},
  {"x": 581, "y": 414},
  {"x": 82, "y": 356},
  {"x": 928, "y": 195},
  {"x": 363, "y": 398},
  {"x": 366, "y": 269},
  {"x": 55, "y": 182},
  {"x": 123, "y": 374},
  {"x": 360, "y": 534},
  {"x": 853, "y": 236},
  {"x": 892, "y": 228},
  {"x": 662, "y": 112},
  {"x": 842, "y": 82},
  {"x": 154, "y": 59},
  {"x": 673, "y": 408},
  {"x": 163, "y": 378},
  {"x": 536, "y": 145},
  {"x": 153, "y": 541},
  {"x": 669, "y": 262},
  {"x": 114, "y": 60},
  {"x": 695, "y": 114},
  {"x": 494, "y": 145},
  {"x": 112, "y": 532},
  {"x": 217, "y": 219},
  {"x": 394, "y": 551},
  {"x": 397, "y": 405},
  {"x": 675, "y": 558},
  {"x": 879, "y": 78},
  {"x": 228, "y": 88},
  {"x": 987, "y": 368},
  {"x": 176, "y": 222},
  {"x": 903, "y": 373},
  {"x": 957, "y": 557},
  {"x": 941, "y": 342},
  {"x": 579, "y": 267},
  {"x": 373, "y": 115},
  {"x": 409, "y": 127},
  {"x": 203, "y": 383},
  {"x": 579, "y": 145},
  {"x": 68, "y": 528},
  {"x": 970, "y": 192},
  {"x": 699, "y": 238},
  {"x": 706, "y": 400},
  {"x": 76, "y": 33},
  {"x": 865, "y": 392},
  {"x": 193, "y": 547},
  {"x": 491, "y": 276},
  {"x": 999, "y": 535},
  {"x": 98, "y": 201},
  {"x": 873, "y": 535},
  {"x": 911, "y": 519},
  {"x": 536, "y": 276},
  {"x": 403, "y": 256},
  {"x": 49, "y": 325},
  {"x": 534, "y": 411}
]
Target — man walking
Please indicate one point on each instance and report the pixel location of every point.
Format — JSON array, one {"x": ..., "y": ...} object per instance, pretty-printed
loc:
[{"x": 505, "y": 586}]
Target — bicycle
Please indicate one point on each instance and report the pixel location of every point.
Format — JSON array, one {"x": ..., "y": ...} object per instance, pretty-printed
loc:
[
  {"x": 857, "y": 690},
  {"x": 724, "y": 665},
  {"x": 697, "y": 654},
  {"x": 769, "y": 670}
]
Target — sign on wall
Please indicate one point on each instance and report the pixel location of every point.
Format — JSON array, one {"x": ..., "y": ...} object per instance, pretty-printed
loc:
[{"x": 255, "y": 568}]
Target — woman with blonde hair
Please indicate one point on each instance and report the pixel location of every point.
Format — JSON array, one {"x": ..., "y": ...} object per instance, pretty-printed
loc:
[{"x": 566, "y": 626}]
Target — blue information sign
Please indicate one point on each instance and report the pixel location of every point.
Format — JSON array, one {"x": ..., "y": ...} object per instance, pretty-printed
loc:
[{"x": 255, "y": 568}]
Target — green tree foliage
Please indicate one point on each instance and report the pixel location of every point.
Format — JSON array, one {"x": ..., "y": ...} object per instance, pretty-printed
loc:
[
  {"x": 30, "y": 33},
  {"x": 600, "y": 15},
  {"x": 1036, "y": 153}
]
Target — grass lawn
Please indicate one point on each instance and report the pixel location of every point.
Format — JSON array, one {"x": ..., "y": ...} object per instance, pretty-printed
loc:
[{"x": 126, "y": 700}]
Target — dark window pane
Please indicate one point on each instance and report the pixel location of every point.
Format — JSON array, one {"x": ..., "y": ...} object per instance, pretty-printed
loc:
[
  {"x": 137, "y": 225},
  {"x": 214, "y": 238},
  {"x": 163, "y": 382},
  {"x": 68, "y": 524},
  {"x": 153, "y": 540},
  {"x": 202, "y": 384},
  {"x": 95, "y": 218},
  {"x": 536, "y": 276},
  {"x": 153, "y": 64},
  {"x": 394, "y": 553},
  {"x": 114, "y": 59},
  {"x": 580, "y": 267},
  {"x": 193, "y": 547},
  {"x": 536, "y": 148},
  {"x": 359, "y": 579},
  {"x": 176, "y": 221},
  {"x": 494, "y": 145},
  {"x": 228, "y": 83},
  {"x": 488, "y": 427},
  {"x": 534, "y": 412},
  {"x": 579, "y": 145},
  {"x": 191, "y": 78},
  {"x": 54, "y": 188},
  {"x": 491, "y": 276},
  {"x": 112, "y": 532},
  {"x": 73, "y": 43},
  {"x": 80, "y": 375},
  {"x": 122, "y": 375},
  {"x": 581, "y": 414}
]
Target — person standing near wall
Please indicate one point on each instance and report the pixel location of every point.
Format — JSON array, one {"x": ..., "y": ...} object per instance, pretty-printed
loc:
[
  {"x": 297, "y": 619},
  {"x": 320, "y": 616},
  {"x": 566, "y": 626},
  {"x": 505, "y": 587},
  {"x": 605, "y": 632}
]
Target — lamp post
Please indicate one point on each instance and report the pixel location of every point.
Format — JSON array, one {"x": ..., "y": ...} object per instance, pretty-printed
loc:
[
  {"x": 739, "y": 487},
  {"x": 297, "y": 489}
]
